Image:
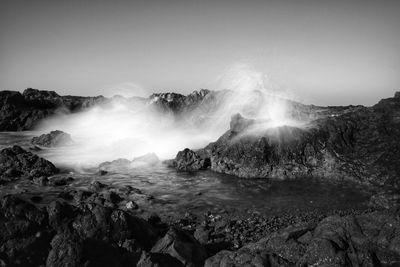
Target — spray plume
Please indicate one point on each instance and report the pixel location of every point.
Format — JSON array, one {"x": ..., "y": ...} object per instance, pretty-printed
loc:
[{"x": 128, "y": 129}]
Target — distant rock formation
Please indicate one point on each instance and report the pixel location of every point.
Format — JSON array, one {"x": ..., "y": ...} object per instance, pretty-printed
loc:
[
  {"x": 15, "y": 162},
  {"x": 53, "y": 139},
  {"x": 23, "y": 111},
  {"x": 118, "y": 165}
]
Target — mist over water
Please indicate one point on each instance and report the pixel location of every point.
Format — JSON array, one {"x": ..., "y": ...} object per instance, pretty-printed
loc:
[{"x": 129, "y": 128}]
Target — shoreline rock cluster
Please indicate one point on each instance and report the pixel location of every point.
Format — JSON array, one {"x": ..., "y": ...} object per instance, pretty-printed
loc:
[
  {"x": 361, "y": 144},
  {"x": 105, "y": 226}
]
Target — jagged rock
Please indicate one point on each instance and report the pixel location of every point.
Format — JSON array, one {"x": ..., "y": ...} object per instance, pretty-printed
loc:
[
  {"x": 188, "y": 160},
  {"x": 16, "y": 162},
  {"x": 364, "y": 240},
  {"x": 361, "y": 144},
  {"x": 181, "y": 246},
  {"x": 23, "y": 111},
  {"x": 53, "y": 139}
]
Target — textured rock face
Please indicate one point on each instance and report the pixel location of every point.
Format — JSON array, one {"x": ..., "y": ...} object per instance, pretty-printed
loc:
[
  {"x": 53, "y": 139},
  {"x": 362, "y": 144},
  {"x": 91, "y": 232},
  {"x": 365, "y": 240},
  {"x": 188, "y": 160},
  {"x": 16, "y": 162},
  {"x": 181, "y": 246},
  {"x": 23, "y": 111}
]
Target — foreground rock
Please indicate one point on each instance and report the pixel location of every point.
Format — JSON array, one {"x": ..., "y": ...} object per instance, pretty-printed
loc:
[
  {"x": 89, "y": 230},
  {"x": 361, "y": 144},
  {"x": 15, "y": 162},
  {"x": 53, "y": 139},
  {"x": 366, "y": 240}
]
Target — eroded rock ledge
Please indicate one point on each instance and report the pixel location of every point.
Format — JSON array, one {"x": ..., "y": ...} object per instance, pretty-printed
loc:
[{"x": 362, "y": 144}]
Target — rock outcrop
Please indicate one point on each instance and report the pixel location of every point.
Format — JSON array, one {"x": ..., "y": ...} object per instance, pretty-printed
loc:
[
  {"x": 365, "y": 240},
  {"x": 53, "y": 139},
  {"x": 188, "y": 160},
  {"x": 361, "y": 144},
  {"x": 15, "y": 162},
  {"x": 23, "y": 111}
]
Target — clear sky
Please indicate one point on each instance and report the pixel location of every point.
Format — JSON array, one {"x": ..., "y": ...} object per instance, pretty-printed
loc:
[{"x": 325, "y": 52}]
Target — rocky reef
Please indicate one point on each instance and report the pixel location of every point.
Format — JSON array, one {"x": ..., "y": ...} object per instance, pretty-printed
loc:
[
  {"x": 361, "y": 144},
  {"x": 23, "y": 111}
]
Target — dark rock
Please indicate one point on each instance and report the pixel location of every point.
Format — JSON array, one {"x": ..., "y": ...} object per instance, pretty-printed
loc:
[
  {"x": 360, "y": 144},
  {"x": 16, "y": 162},
  {"x": 385, "y": 200},
  {"x": 202, "y": 235},
  {"x": 181, "y": 246},
  {"x": 365, "y": 240},
  {"x": 158, "y": 260},
  {"x": 188, "y": 160},
  {"x": 67, "y": 250},
  {"x": 97, "y": 186},
  {"x": 23, "y": 111},
  {"x": 53, "y": 139},
  {"x": 24, "y": 239}
]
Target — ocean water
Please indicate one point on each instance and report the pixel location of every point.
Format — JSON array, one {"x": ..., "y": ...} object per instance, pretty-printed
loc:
[{"x": 198, "y": 192}]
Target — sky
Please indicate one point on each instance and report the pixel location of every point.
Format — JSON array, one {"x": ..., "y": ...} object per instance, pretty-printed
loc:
[{"x": 318, "y": 51}]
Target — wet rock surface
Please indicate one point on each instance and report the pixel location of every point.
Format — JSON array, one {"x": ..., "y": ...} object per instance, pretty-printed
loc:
[
  {"x": 361, "y": 144},
  {"x": 104, "y": 224},
  {"x": 334, "y": 241},
  {"x": 188, "y": 160},
  {"x": 53, "y": 139},
  {"x": 16, "y": 162}
]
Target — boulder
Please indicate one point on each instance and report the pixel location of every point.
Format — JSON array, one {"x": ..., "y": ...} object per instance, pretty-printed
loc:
[
  {"x": 181, "y": 246},
  {"x": 188, "y": 160},
  {"x": 53, "y": 139},
  {"x": 16, "y": 162}
]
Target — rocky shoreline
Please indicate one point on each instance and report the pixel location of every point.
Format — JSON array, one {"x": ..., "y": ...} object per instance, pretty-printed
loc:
[
  {"x": 105, "y": 225},
  {"x": 108, "y": 225}
]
